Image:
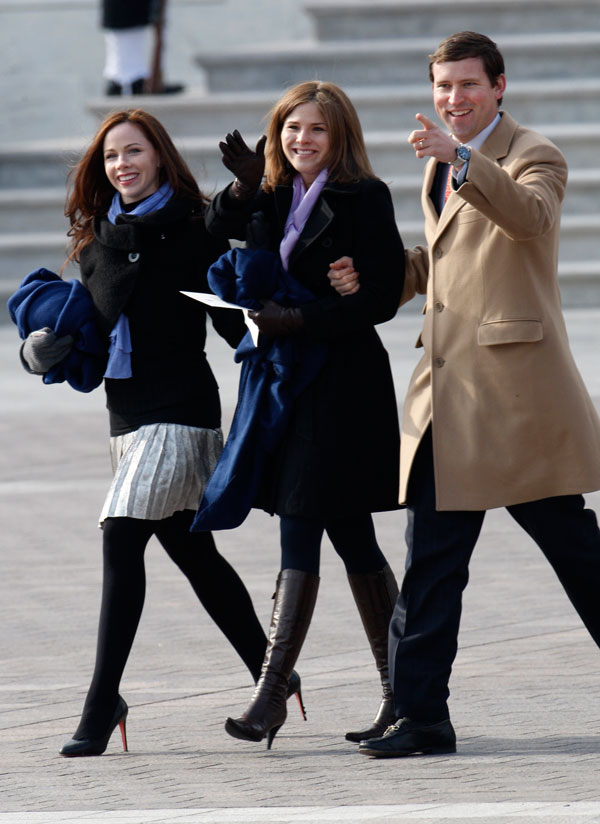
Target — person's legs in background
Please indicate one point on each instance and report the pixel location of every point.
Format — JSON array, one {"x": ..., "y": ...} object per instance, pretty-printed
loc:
[{"x": 126, "y": 63}]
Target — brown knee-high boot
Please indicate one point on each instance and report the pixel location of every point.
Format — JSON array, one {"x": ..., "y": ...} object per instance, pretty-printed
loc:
[
  {"x": 295, "y": 599},
  {"x": 375, "y": 594}
]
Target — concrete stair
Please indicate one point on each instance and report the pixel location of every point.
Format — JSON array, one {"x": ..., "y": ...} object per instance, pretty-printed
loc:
[
  {"x": 391, "y": 62},
  {"x": 389, "y": 19},
  {"x": 381, "y": 107},
  {"x": 378, "y": 52}
]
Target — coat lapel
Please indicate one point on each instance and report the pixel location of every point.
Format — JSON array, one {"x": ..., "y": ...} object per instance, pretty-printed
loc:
[
  {"x": 429, "y": 206},
  {"x": 498, "y": 143},
  {"x": 318, "y": 220}
]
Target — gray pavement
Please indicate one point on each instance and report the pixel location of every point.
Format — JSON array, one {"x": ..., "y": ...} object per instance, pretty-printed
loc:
[{"x": 525, "y": 689}]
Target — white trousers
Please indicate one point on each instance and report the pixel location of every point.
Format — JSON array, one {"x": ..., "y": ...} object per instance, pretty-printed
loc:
[{"x": 127, "y": 54}]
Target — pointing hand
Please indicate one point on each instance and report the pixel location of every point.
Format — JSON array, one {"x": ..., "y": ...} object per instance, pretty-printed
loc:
[{"x": 431, "y": 141}]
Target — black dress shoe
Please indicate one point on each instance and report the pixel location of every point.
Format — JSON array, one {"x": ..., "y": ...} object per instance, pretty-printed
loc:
[
  {"x": 114, "y": 89},
  {"x": 407, "y": 737}
]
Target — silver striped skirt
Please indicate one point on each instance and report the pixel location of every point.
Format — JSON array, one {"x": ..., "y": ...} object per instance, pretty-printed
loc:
[{"x": 159, "y": 469}]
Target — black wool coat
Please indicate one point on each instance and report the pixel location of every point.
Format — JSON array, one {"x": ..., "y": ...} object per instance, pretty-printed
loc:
[
  {"x": 340, "y": 455},
  {"x": 138, "y": 266}
]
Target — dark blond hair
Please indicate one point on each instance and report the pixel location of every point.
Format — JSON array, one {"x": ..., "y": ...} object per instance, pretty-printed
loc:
[
  {"x": 465, "y": 44},
  {"x": 89, "y": 190},
  {"x": 347, "y": 159}
]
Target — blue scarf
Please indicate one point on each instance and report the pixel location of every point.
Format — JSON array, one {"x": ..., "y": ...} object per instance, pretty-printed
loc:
[
  {"x": 119, "y": 353},
  {"x": 152, "y": 203}
]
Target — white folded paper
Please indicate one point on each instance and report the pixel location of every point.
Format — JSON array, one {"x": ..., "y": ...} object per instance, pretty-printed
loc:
[{"x": 212, "y": 300}]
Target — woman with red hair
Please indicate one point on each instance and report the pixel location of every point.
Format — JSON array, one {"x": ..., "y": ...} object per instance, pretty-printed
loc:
[{"x": 138, "y": 234}]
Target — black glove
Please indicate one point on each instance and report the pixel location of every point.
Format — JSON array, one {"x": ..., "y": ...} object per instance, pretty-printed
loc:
[
  {"x": 275, "y": 320},
  {"x": 41, "y": 350},
  {"x": 247, "y": 166}
]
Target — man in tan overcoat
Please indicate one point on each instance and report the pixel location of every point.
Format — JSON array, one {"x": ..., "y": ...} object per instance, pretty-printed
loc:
[{"x": 496, "y": 413}]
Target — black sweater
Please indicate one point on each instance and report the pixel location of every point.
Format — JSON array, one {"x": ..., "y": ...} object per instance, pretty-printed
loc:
[{"x": 138, "y": 266}]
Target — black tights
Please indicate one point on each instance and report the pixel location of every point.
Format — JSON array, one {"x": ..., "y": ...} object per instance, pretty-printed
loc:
[
  {"x": 217, "y": 585},
  {"x": 353, "y": 539}
]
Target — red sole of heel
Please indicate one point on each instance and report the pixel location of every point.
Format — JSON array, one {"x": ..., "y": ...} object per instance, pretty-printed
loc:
[{"x": 301, "y": 705}]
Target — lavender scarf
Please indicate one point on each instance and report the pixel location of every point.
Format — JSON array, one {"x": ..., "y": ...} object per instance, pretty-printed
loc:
[{"x": 303, "y": 202}]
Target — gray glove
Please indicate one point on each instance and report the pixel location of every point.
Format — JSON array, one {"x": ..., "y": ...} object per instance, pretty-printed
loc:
[{"x": 41, "y": 350}]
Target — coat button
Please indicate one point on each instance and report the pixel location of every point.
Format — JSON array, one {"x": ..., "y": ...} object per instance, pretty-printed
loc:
[
  {"x": 327, "y": 242},
  {"x": 439, "y": 306},
  {"x": 133, "y": 257},
  {"x": 439, "y": 362},
  {"x": 438, "y": 253}
]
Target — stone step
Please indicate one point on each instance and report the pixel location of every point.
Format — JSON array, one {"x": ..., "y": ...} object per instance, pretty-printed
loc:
[
  {"x": 35, "y": 209},
  {"x": 391, "y": 155},
  {"x": 391, "y": 62},
  {"x": 579, "y": 286},
  {"x": 21, "y": 253},
  {"x": 582, "y": 196},
  {"x": 196, "y": 114},
  {"x": 579, "y": 283},
  {"x": 385, "y": 19},
  {"x": 41, "y": 210},
  {"x": 38, "y": 163},
  {"x": 579, "y": 237},
  {"x": 25, "y": 252},
  {"x": 46, "y": 163}
]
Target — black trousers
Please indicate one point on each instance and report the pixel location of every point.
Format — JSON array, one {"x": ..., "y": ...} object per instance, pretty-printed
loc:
[{"x": 424, "y": 627}]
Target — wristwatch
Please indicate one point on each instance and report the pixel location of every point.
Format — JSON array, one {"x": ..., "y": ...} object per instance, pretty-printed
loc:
[{"x": 463, "y": 155}]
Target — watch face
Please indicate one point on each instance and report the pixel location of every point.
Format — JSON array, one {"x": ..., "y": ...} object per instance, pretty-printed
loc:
[{"x": 463, "y": 152}]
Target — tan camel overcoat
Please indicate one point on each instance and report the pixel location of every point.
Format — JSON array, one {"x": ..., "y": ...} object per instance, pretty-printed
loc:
[{"x": 511, "y": 418}]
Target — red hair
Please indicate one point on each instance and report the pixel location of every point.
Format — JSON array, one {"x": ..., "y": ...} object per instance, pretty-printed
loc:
[{"x": 89, "y": 191}]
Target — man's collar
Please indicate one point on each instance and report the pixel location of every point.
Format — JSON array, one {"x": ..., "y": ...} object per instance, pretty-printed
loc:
[{"x": 483, "y": 135}]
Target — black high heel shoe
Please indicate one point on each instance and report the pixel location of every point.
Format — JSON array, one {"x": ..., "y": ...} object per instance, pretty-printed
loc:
[
  {"x": 295, "y": 688},
  {"x": 96, "y": 746}
]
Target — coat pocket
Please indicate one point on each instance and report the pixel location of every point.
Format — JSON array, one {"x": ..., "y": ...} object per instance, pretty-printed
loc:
[{"x": 495, "y": 332}]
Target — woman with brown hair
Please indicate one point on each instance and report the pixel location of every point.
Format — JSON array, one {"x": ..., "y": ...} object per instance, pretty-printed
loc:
[
  {"x": 138, "y": 234},
  {"x": 337, "y": 461}
]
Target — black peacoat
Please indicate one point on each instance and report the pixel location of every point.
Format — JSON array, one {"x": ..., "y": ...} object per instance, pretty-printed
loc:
[
  {"x": 138, "y": 267},
  {"x": 340, "y": 455}
]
